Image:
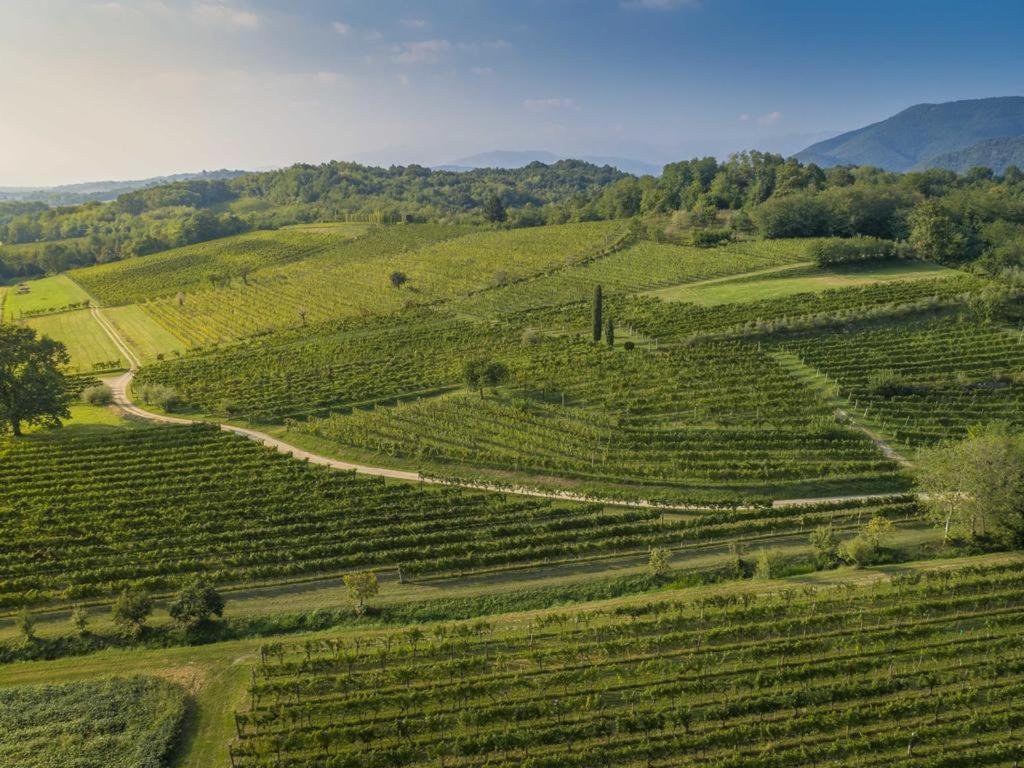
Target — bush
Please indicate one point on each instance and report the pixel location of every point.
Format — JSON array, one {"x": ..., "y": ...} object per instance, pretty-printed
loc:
[
  {"x": 99, "y": 394},
  {"x": 629, "y": 345},
  {"x": 853, "y": 250},
  {"x": 707, "y": 238},
  {"x": 161, "y": 396}
]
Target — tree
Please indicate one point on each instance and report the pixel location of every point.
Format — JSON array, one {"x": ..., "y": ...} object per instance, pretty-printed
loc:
[
  {"x": 33, "y": 388},
  {"x": 863, "y": 548},
  {"x": 660, "y": 564},
  {"x": 80, "y": 620},
  {"x": 480, "y": 372},
  {"x": 609, "y": 332},
  {"x": 195, "y": 604},
  {"x": 975, "y": 487},
  {"x": 825, "y": 543},
  {"x": 26, "y": 625},
  {"x": 398, "y": 279},
  {"x": 361, "y": 586},
  {"x": 130, "y": 612},
  {"x": 598, "y": 301},
  {"x": 494, "y": 209},
  {"x": 769, "y": 564},
  {"x": 933, "y": 234}
]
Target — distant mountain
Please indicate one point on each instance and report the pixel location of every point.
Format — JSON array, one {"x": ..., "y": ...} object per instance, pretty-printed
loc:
[
  {"x": 996, "y": 154},
  {"x": 103, "y": 191},
  {"x": 916, "y": 136},
  {"x": 520, "y": 158}
]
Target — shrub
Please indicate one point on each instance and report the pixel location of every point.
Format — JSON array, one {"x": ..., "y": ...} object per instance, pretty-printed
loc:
[
  {"x": 161, "y": 396},
  {"x": 707, "y": 238},
  {"x": 853, "y": 250},
  {"x": 99, "y": 394}
]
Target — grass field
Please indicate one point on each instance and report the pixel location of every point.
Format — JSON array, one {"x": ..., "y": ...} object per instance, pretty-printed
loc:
[
  {"x": 49, "y": 294},
  {"x": 116, "y": 723},
  {"x": 799, "y": 279},
  {"x": 146, "y": 337},
  {"x": 88, "y": 344}
]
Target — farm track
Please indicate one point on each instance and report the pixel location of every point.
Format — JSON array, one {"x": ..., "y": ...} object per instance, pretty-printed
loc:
[{"x": 120, "y": 388}]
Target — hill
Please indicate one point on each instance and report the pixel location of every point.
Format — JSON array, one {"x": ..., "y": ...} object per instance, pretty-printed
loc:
[
  {"x": 104, "y": 191},
  {"x": 996, "y": 154},
  {"x": 519, "y": 159},
  {"x": 913, "y": 137}
]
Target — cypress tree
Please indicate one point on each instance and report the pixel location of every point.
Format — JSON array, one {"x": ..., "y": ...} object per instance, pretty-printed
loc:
[
  {"x": 597, "y": 313},
  {"x": 609, "y": 333}
]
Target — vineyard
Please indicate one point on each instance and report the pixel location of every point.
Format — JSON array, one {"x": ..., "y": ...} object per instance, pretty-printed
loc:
[
  {"x": 116, "y": 723},
  {"x": 924, "y": 381},
  {"x": 311, "y": 370},
  {"x": 210, "y": 264},
  {"x": 642, "y": 266},
  {"x": 711, "y": 422},
  {"x": 436, "y": 263},
  {"x": 149, "y": 507},
  {"x": 925, "y": 671}
]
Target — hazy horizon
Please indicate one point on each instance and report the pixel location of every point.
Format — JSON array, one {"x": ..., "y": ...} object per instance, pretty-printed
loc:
[{"x": 132, "y": 89}]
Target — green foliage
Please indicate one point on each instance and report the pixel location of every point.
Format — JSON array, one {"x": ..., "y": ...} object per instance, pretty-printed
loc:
[
  {"x": 99, "y": 394},
  {"x": 825, "y": 542},
  {"x": 494, "y": 209},
  {"x": 660, "y": 563},
  {"x": 768, "y": 565},
  {"x": 361, "y": 586},
  {"x": 974, "y": 487},
  {"x": 117, "y": 723},
  {"x": 33, "y": 388},
  {"x": 596, "y": 311},
  {"x": 934, "y": 235},
  {"x": 195, "y": 604},
  {"x": 826, "y": 253},
  {"x": 131, "y": 610}
]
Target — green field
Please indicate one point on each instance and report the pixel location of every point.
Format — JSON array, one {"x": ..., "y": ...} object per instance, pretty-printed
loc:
[
  {"x": 802, "y": 279},
  {"x": 116, "y": 723},
  {"x": 50, "y": 294},
  {"x": 145, "y": 337},
  {"x": 89, "y": 346}
]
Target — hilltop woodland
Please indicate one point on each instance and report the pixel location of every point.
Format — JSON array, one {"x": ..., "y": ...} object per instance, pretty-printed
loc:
[{"x": 955, "y": 216}]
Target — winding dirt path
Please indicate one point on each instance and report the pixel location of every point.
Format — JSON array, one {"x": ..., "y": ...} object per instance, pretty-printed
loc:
[{"x": 120, "y": 387}]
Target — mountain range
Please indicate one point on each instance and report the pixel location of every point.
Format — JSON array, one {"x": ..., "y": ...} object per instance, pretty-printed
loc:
[{"x": 956, "y": 135}]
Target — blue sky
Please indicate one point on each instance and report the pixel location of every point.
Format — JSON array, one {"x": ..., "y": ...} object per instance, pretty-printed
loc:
[{"x": 125, "y": 88}]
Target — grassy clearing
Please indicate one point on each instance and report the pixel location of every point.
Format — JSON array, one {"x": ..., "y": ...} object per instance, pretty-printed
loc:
[
  {"x": 88, "y": 344},
  {"x": 51, "y": 294},
  {"x": 146, "y": 337},
  {"x": 780, "y": 283}
]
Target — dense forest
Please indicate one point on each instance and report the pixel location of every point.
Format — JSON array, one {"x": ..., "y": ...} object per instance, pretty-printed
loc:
[{"x": 945, "y": 215}]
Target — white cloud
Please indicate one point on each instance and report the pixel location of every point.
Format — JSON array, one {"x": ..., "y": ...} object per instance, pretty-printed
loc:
[
  {"x": 744, "y": 118},
  {"x": 485, "y": 45},
  {"x": 659, "y": 5},
  {"x": 422, "y": 51},
  {"x": 403, "y": 80},
  {"x": 372, "y": 35},
  {"x": 547, "y": 105},
  {"x": 224, "y": 15},
  {"x": 482, "y": 71},
  {"x": 342, "y": 28},
  {"x": 414, "y": 23},
  {"x": 770, "y": 118},
  {"x": 329, "y": 78}
]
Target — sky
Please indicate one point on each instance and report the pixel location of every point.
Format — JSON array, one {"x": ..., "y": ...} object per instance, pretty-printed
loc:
[{"x": 121, "y": 89}]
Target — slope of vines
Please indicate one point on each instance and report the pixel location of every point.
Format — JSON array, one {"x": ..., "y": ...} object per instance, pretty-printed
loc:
[{"x": 927, "y": 671}]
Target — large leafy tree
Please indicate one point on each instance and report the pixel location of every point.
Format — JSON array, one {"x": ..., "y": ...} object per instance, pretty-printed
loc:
[
  {"x": 975, "y": 487},
  {"x": 33, "y": 387}
]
